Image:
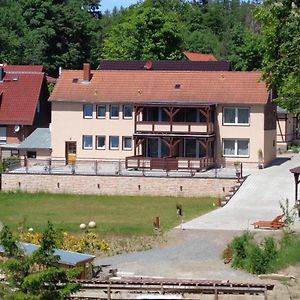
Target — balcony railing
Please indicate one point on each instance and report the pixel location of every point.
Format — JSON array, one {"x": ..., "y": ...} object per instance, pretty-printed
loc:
[
  {"x": 175, "y": 127},
  {"x": 169, "y": 163}
]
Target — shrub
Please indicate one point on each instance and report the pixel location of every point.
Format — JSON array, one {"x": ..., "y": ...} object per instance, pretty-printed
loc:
[{"x": 254, "y": 258}]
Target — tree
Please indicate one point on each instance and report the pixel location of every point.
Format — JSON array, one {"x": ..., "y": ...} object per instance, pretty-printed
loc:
[
  {"x": 35, "y": 277},
  {"x": 281, "y": 62},
  {"x": 146, "y": 34}
]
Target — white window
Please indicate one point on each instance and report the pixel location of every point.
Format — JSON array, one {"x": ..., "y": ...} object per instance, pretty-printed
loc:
[
  {"x": 101, "y": 111},
  {"x": 127, "y": 142},
  {"x": 114, "y": 111},
  {"x": 100, "y": 142},
  {"x": 127, "y": 112},
  {"x": 88, "y": 111},
  {"x": 236, "y": 116},
  {"x": 236, "y": 147},
  {"x": 87, "y": 142},
  {"x": 2, "y": 135},
  {"x": 113, "y": 142}
]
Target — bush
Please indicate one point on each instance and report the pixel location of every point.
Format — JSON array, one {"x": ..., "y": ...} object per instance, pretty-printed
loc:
[{"x": 251, "y": 257}]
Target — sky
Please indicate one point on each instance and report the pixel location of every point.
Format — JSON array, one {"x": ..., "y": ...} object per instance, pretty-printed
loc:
[{"x": 110, "y": 4}]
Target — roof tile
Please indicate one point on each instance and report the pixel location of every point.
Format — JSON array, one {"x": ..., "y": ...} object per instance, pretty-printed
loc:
[{"x": 159, "y": 86}]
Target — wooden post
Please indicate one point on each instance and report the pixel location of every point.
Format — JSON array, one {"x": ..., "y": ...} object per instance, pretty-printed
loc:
[{"x": 108, "y": 293}]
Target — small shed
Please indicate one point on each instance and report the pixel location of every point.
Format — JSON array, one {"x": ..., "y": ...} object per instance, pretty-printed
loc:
[{"x": 67, "y": 259}]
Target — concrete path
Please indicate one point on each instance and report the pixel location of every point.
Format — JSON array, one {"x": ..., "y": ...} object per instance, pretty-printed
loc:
[
  {"x": 196, "y": 251},
  {"x": 257, "y": 199}
]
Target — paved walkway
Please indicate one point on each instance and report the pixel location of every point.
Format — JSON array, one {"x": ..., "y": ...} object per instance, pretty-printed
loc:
[
  {"x": 196, "y": 251},
  {"x": 257, "y": 199}
]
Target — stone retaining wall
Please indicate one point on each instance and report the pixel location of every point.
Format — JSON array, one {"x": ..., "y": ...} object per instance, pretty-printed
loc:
[{"x": 117, "y": 185}]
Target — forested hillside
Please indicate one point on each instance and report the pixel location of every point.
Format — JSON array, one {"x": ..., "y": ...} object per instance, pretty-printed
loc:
[
  {"x": 251, "y": 34},
  {"x": 69, "y": 32}
]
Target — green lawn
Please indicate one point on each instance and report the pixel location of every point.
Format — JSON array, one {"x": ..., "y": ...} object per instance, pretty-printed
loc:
[{"x": 115, "y": 215}]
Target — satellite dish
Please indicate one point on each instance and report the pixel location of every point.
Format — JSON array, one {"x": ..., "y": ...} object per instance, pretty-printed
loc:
[{"x": 17, "y": 128}]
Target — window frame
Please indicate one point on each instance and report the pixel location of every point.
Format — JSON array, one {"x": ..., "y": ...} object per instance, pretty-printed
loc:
[
  {"x": 123, "y": 143},
  {"x": 127, "y": 117},
  {"x": 236, "y": 147},
  {"x": 101, "y": 117},
  {"x": 84, "y": 115},
  {"x": 96, "y": 142},
  {"x": 110, "y": 142},
  {"x": 110, "y": 112},
  {"x": 236, "y": 120},
  {"x": 83, "y": 144}
]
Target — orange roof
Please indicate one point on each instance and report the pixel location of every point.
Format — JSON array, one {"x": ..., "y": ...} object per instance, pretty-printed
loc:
[
  {"x": 198, "y": 56},
  {"x": 159, "y": 86}
]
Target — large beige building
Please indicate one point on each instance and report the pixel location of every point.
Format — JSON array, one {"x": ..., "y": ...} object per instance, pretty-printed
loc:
[{"x": 163, "y": 119}]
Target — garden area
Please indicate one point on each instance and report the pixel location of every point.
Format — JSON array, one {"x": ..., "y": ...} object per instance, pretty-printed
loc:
[{"x": 124, "y": 222}]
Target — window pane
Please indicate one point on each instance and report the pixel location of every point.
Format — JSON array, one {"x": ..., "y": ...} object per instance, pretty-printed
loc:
[
  {"x": 190, "y": 148},
  {"x": 127, "y": 113},
  {"x": 2, "y": 135},
  {"x": 101, "y": 111},
  {"x": 114, "y": 111},
  {"x": 229, "y": 115},
  {"x": 229, "y": 147},
  {"x": 87, "y": 142},
  {"x": 114, "y": 142},
  {"x": 191, "y": 115},
  {"x": 88, "y": 110},
  {"x": 153, "y": 147},
  {"x": 127, "y": 142},
  {"x": 100, "y": 142},
  {"x": 243, "y": 116},
  {"x": 243, "y": 147}
]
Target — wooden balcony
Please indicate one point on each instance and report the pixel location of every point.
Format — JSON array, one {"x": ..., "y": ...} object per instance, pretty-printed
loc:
[
  {"x": 193, "y": 128},
  {"x": 169, "y": 163}
]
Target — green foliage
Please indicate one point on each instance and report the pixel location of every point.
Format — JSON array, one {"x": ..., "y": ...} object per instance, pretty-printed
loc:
[
  {"x": 267, "y": 256},
  {"x": 8, "y": 242},
  {"x": 36, "y": 277},
  {"x": 289, "y": 214},
  {"x": 281, "y": 31},
  {"x": 146, "y": 34}
]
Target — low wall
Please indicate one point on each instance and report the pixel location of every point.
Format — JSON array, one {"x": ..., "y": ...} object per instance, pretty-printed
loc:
[{"x": 116, "y": 185}]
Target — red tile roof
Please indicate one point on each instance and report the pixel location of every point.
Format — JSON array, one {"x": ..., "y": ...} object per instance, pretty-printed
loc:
[
  {"x": 20, "y": 91},
  {"x": 23, "y": 68},
  {"x": 198, "y": 56},
  {"x": 159, "y": 86}
]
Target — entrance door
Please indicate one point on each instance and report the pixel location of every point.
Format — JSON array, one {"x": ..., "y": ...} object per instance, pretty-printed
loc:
[{"x": 70, "y": 152}]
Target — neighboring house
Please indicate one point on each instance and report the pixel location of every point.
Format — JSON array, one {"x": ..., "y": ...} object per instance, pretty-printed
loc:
[
  {"x": 23, "y": 104},
  {"x": 194, "y": 56},
  {"x": 163, "y": 119},
  {"x": 287, "y": 129},
  {"x": 36, "y": 145}
]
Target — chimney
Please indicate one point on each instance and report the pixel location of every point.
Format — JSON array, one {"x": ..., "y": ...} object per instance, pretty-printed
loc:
[
  {"x": 148, "y": 65},
  {"x": 86, "y": 72}
]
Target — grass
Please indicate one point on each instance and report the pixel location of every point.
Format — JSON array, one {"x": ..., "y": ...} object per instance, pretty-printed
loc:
[{"x": 114, "y": 215}]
